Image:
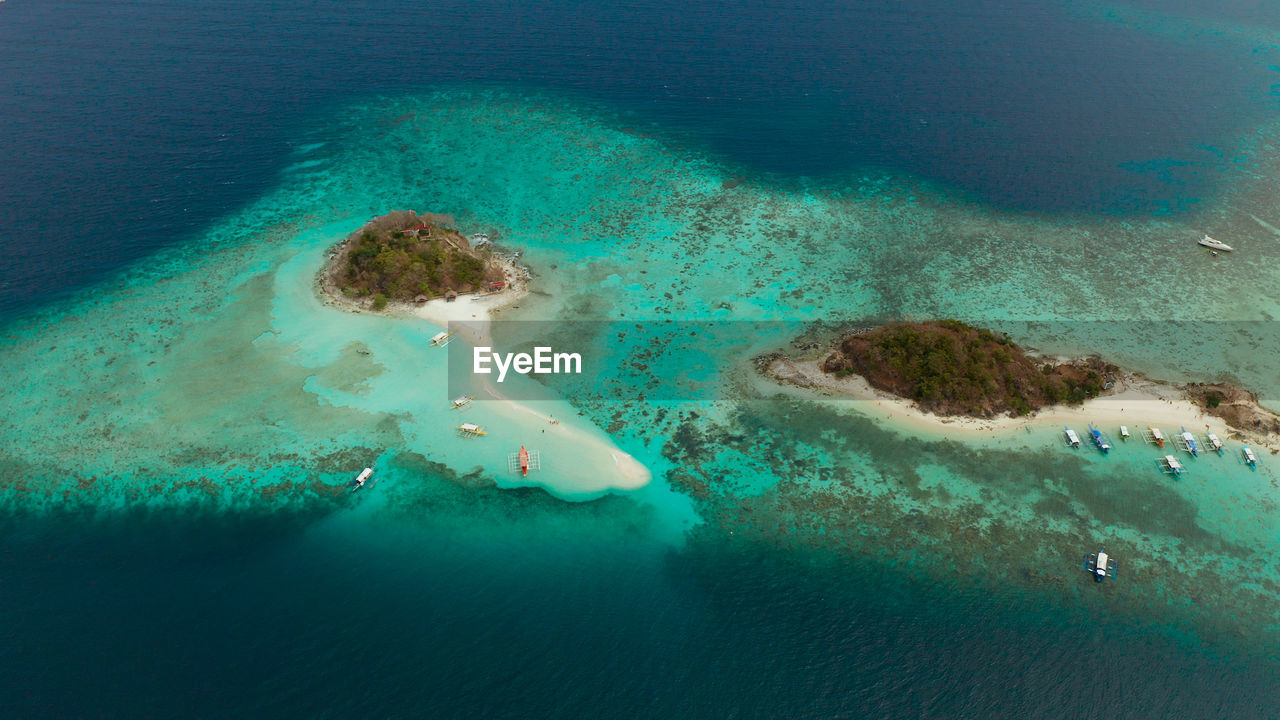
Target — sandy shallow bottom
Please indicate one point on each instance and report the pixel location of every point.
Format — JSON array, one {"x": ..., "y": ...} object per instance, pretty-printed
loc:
[{"x": 576, "y": 461}]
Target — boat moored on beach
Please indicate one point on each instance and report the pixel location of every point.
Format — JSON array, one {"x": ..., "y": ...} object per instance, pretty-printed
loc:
[
  {"x": 1102, "y": 441},
  {"x": 1170, "y": 465},
  {"x": 1124, "y": 432},
  {"x": 1154, "y": 436},
  {"x": 441, "y": 339},
  {"x": 524, "y": 461},
  {"x": 1247, "y": 456},
  {"x": 1214, "y": 443},
  {"x": 1188, "y": 443},
  {"x": 1214, "y": 244},
  {"x": 1073, "y": 440}
]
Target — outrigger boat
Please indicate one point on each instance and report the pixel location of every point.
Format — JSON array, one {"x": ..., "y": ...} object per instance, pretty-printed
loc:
[
  {"x": 471, "y": 429},
  {"x": 1124, "y": 432},
  {"x": 1214, "y": 443},
  {"x": 1100, "y": 565},
  {"x": 462, "y": 400},
  {"x": 1157, "y": 437},
  {"x": 1073, "y": 440},
  {"x": 1102, "y": 441},
  {"x": 524, "y": 461},
  {"x": 441, "y": 339},
  {"x": 1214, "y": 244},
  {"x": 1171, "y": 465},
  {"x": 1190, "y": 441},
  {"x": 1249, "y": 458},
  {"x": 361, "y": 479}
]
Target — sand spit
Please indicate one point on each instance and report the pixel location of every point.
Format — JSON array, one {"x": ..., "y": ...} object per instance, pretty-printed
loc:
[
  {"x": 469, "y": 316},
  {"x": 1136, "y": 401}
]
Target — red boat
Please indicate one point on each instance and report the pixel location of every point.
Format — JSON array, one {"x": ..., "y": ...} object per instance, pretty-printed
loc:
[{"x": 524, "y": 461}]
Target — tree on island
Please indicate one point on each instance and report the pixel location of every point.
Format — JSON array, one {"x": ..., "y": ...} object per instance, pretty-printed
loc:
[
  {"x": 952, "y": 368},
  {"x": 403, "y": 255}
]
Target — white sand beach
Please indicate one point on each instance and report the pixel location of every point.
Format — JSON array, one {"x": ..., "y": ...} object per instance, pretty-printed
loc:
[
  {"x": 469, "y": 316},
  {"x": 478, "y": 307},
  {"x": 1138, "y": 403}
]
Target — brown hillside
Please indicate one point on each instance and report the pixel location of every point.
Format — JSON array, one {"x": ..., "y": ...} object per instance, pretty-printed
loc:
[
  {"x": 403, "y": 255},
  {"x": 951, "y": 368}
]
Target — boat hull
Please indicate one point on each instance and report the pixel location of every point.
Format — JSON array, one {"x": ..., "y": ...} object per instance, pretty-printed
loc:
[{"x": 1212, "y": 244}]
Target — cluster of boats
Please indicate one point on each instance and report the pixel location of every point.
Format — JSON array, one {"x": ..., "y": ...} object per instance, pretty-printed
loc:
[
  {"x": 522, "y": 460},
  {"x": 1184, "y": 441},
  {"x": 467, "y": 429},
  {"x": 1099, "y": 438}
]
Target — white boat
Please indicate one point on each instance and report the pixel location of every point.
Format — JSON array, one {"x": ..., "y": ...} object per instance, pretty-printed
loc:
[
  {"x": 1175, "y": 467},
  {"x": 471, "y": 429},
  {"x": 1157, "y": 437},
  {"x": 361, "y": 479},
  {"x": 1101, "y": 566},
  {"x": 1124, "y": 432},
  {"x": 1249, "y": 458},
  {"x": 1214, "y": 443},
  {"x": 1215, "y": 244},
  {"x": 462, "y": 400},
  {"x": 441, "y": 339},
  {"x": 1072, "y": 439}
]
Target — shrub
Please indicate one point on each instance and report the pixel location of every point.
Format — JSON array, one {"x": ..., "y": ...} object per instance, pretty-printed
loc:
[{"x": 379, "y": 301}]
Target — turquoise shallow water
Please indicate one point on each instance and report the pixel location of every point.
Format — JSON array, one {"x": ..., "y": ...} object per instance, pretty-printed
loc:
[
  {"x": 213, "y": 382},
  {"x": 175, "y": 534},
  {"x": 162, "y": 388}
]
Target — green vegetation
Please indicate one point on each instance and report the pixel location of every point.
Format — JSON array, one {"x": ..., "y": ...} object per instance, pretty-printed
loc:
[
  {"x": 952, "y": 368},
  {"x": 404, "y": 256}
]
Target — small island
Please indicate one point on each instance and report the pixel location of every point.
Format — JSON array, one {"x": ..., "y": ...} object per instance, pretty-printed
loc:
[
  {"x": 945, "y": 374},
  {"x": 404, "y": 257},
  {"x": 950, "y": 368}
]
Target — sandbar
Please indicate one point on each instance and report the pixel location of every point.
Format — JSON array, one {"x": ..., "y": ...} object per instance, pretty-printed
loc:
[{"x": 1137, "y": 402}]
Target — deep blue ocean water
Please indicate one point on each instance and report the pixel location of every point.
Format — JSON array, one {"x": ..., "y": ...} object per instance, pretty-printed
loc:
[
  {"x": 129, "y": 127},
  {"x": 288, "y": 617}
]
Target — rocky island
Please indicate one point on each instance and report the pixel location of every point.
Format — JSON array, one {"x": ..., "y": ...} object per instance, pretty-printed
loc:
[
  {"x": 404, "y": 257},
  {"x": 950, "y": 368},
  {"x": 947, "y": 374}
]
